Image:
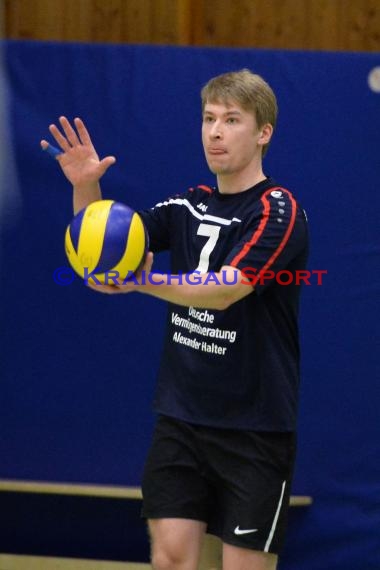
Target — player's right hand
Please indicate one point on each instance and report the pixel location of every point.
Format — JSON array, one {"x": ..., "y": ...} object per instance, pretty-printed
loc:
[
  {"x": 130, "y": 286},
  {"x": 79, "y": 160}
]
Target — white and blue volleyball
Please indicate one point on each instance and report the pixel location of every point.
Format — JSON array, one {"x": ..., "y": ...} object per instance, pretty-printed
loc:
[{"x": 106, "y": 237}]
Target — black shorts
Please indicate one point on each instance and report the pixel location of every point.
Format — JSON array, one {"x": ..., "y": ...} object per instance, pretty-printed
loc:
[{"x": 238, "y": 482}]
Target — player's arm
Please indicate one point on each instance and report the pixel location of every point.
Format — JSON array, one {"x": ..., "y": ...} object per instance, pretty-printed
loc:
[
  {"x": 216, "y": 290},
  {"x": 79, "y": 161}
]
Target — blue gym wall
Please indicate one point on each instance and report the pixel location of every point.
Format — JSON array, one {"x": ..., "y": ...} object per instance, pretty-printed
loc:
[{"x": 78, "y": 368}]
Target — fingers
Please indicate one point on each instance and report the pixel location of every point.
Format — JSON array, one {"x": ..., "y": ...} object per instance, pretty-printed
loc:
[
  {"x": 109, "y": 289},
  {"x": 50, "y": 149},
  {"x": 148, "y": 262},
  {"x": 105, "y": 164},
  {"x": 71, "y": 135},
  {"x": 83, "y": 133},
  {"x": 59, "y": 138},
  {"x": 146, "y": 267},
  {"x": 75, "y": 142}
]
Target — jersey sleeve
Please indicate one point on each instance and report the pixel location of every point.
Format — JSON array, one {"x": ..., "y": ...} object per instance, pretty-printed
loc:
[
  {"x": 161, "y": 220},
  {"x": 276, "y": 235},
  {"x": 157, "y": 221}
]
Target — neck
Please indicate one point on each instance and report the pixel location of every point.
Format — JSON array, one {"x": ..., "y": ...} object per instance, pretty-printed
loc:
[{"x": 239, "y": 181}]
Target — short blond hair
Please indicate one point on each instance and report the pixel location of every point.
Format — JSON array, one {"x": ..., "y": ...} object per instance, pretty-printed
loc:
[{"x": 248, "y": 90}]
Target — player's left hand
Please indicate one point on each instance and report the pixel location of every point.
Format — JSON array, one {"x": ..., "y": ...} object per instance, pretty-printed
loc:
[{"x": 129, "y": 286}]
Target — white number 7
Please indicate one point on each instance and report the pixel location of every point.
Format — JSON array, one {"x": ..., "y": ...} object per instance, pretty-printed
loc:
[{"x": 212, "y": 232}]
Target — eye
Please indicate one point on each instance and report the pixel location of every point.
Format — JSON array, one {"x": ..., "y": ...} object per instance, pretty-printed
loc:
[
  {"x": 208, "y": 119},
  {"x": 231, "y": 121}
]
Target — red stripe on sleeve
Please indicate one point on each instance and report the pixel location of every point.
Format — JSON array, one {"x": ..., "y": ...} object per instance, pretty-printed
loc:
[
  {"x": 285, "y": 239},
  {"x": 205, "y": 188},
  {"x": 257, "y": 234}
]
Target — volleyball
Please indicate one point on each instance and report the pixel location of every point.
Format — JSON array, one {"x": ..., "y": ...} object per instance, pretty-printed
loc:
[{"x": 106, "y": 237}]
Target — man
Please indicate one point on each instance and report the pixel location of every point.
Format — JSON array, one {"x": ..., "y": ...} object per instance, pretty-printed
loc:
[{"x": 223, "y": 451}]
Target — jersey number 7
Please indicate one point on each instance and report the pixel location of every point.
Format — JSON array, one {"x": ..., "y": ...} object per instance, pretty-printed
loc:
[{"x": 212, "y": 232}]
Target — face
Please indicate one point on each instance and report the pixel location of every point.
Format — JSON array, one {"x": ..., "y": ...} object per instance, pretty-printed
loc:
[{"x": 231, "y": 138}]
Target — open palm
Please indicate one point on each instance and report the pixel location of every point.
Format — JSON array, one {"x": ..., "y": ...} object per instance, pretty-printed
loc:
[{"x": 79, "y": 160}]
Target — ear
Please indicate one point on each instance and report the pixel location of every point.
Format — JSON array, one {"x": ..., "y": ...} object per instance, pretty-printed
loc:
[{"x": 266, "y": 132}]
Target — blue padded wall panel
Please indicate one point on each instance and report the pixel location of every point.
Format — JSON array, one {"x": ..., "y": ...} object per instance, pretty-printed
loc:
[{"x": 78, "y": 369}]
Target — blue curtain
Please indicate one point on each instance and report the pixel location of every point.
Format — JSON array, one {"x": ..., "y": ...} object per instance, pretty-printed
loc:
[{"x": 78, "y": 368}]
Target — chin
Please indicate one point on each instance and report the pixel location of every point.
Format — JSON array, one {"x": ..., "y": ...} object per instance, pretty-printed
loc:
[{"x": 217, "y": 169}]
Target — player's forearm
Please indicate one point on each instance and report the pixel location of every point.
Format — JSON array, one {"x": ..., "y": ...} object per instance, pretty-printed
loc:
[
  {"x": 217, "y": 291},
  {"x": 85, "y": 194}
]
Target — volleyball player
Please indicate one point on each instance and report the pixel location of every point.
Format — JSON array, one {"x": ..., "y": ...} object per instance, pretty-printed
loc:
[{"x": 223, "y": 450}]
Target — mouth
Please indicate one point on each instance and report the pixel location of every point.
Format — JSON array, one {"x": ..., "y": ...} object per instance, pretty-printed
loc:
[{"x": 215, "y": 151}]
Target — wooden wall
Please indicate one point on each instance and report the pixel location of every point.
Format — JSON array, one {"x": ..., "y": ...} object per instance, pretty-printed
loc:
[{"x": 296, "y": 24}]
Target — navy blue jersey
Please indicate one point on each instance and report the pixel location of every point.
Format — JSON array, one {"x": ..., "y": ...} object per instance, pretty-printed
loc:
[{"x": 237, "y": 368}]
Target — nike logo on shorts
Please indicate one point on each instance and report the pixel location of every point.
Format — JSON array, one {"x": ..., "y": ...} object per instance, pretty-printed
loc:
[{"x": 247, "y": 531}]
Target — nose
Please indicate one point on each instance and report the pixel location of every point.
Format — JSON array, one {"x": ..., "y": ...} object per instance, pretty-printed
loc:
[{"x": 216, "y": 132}]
